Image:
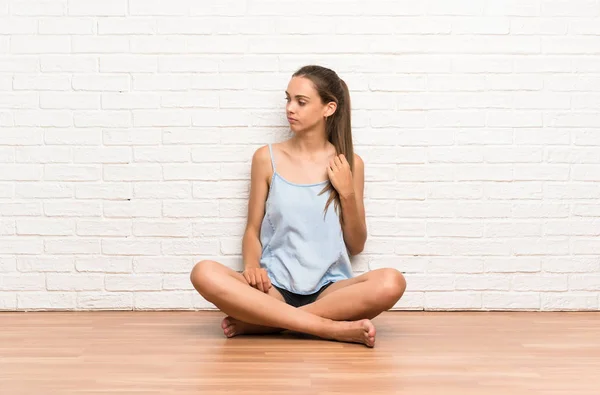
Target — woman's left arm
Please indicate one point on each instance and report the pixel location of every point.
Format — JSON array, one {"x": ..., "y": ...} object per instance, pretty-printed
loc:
[{"x": 350, "y": 187}]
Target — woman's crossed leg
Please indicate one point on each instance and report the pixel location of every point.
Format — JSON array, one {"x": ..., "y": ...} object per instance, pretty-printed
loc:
[{"x": 341, "y": 312}]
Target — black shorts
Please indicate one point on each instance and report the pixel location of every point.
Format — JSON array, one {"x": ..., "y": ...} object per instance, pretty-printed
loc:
[{"x": 298, "y": 300}]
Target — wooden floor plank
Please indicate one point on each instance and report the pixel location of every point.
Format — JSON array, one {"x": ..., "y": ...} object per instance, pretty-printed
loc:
[{"x": 186, "y": 353}]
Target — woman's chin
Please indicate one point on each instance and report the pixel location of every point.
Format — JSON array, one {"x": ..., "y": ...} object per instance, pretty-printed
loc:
[{"x": 295, "y": 128}]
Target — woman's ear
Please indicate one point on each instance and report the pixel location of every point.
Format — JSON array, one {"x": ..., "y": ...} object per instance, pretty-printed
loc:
[{"x": 330, "y": 109}]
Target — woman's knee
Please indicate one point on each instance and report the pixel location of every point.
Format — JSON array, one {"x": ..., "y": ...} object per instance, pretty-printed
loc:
[
  {"x": 203, "y": 275},
  {"x": 392, "y": 285}
]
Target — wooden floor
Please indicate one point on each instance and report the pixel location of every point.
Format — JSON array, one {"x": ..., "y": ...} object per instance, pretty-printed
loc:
[{"x": 186, "y": 353}]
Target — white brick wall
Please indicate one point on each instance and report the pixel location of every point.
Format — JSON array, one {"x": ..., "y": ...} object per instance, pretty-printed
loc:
[{"x": 127, "y": 129}]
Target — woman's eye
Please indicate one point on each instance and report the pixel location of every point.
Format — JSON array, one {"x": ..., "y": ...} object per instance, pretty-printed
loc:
[{"x": 301, "y": 103}]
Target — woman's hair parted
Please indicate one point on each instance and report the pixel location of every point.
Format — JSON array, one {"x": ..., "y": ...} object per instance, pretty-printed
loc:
[{"x": 338, "y": 127}]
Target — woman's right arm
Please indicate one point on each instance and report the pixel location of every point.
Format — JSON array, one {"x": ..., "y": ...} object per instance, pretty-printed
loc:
[{"x": 260, "y": 173}]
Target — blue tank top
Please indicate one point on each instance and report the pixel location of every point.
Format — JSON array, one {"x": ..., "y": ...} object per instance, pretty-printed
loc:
[{"x": 303, "y": 249}]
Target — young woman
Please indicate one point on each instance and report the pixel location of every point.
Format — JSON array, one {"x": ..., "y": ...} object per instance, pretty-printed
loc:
[{"x": 305, "y": 216}]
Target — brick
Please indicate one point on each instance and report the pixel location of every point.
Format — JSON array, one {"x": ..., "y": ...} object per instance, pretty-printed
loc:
[
  {"x": 570, "y": 264},
  {"x": 38, "y": 7},
  {"x": 165, "y": 300},
  {"x": 511, "y": 301},
  {"x": 132, "y": 173},
  {"x": 106, "y": 190},
  {"x": 23, "y": 282},
  {"x": 129, "y": 100},
  {"x": 130, "y": 247},
  {"x": 161, "y": 229},
  {"x": 157, "y": 265},
  {"x": 8, "y": 264},
  {"x": 103, "y": 264},
  {"x": 584, "y": 282},
  {"x": 453, "y": 229},
  {"x": 537, "y": 246},
  {"x": 153, "y": 118},
  {"x": 47, "y": 154},
  {"x": 21, "y": 100},
  {"x": 190, "y": 209},
  {"x": 512, "y": 264},
  {"x": 495, "y": 282},
  {"x": 20, "y": 208},
  {"x": 6, "y": 190},
  {"x": 21, "y": 172},
  {"x": 159, "y": 8},
  {"x": 105, "y": 300},
  {"x": 75, "y": 282},
  {"x": 126, "y": 63},
  {"x": 158, "y": 45},
  {"x": 455, "y": 265},
  {"x": 192, "y": 172},
  {"x": 100, "y": 44},
  {"x": 46, "y": 263},
  {"x": 71, "y": 173},
  {"x": 39, "y": 44},
  {"x": 104, "y": 228},
  {"x": 561, "y": 8},
  {"x": 126, "y": 26},
  {"x": 453, "y": 301},
  {"x": 72, "y": 246},
  {"x": 513, "y": 229},
  {"x": 46, "y": 301},
  {"x": 21, "y": 245},
  {"x": 190, "y": 247},
  {"x": 105, "y": 155},
  {"x": 162, "y": 154},
  {"x": 162, "y": 190},
  {"x": 72, "y": 209},
  {"x": 451, "y": 190},
  {"x": 70, "y": 100},
  {"x": 539, "y": 282},
  {"x": 133, "y": 282},
  {"x": 100, "y": 82},
  {"x": 68, "y": 63},
  {"x": 174, "y": 25},
  {"x": 223, "y": 154},
  {"x": 7, "y": 155},
  {"x": 43, "y": 190},
  {"x": 94, "y": 8},
  {"x": 219, "y": 228},
  {"x": 108, "y": 119},
  {"x": 132, "y": 209},
  {"x": 73, "y": 137},
  {"x": 45, "y": 227},
  {"x": 7, "y": 227},
  {"x": 174, "y": 282},
  {"x": 193, "y": 100},
  {"x": 23, "y": 64},
  {"x": 575, "y": 301},
  {"x": 137, "y": 136},
  {"x": 62, "y": 26},
  {"x": 43, "y": 118}
]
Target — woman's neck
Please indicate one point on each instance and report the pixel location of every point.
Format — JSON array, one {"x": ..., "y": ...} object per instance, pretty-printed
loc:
[{"x": 309, "y": 143}]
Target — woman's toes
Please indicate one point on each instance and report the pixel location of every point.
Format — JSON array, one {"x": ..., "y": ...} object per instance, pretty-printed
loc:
[
  {"x": 225, "y": 323},
  {"x": 230, "y": 332}
]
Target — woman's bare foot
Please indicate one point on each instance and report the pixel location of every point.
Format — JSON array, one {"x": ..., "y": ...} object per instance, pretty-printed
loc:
[
  {"x": 232, "y": 327},
  {"x": 362, "y": 331}
]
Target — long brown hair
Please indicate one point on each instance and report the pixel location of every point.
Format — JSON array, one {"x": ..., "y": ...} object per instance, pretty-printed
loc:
[{"x": 338, "y": 128}]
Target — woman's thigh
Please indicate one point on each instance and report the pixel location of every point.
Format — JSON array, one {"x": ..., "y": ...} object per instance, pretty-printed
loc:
[
  {"x": 211, "y": 268},
  {"x": 383, "y": 277},
  {"x": 343, "y": 283}
]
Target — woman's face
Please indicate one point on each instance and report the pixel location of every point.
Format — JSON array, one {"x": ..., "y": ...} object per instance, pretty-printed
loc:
[{"x": 304, "y": 108}]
